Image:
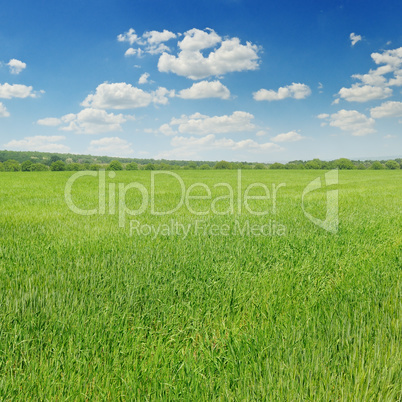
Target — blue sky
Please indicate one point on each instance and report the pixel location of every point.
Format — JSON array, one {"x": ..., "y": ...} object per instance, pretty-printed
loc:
[{"x": 235, "y": 80}]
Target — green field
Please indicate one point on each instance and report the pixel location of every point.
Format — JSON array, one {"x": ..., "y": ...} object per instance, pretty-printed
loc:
[{"x": 93, "y": 309}]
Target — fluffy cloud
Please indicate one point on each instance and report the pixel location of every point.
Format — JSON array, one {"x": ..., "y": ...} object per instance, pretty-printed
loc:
[
  {"x": 132, "y": 52},
  {"x": 157, "y": 49},
  {"x": 16, "y": 66},
  {"x": 3, "y": 111},
  {"x": 167, "y": 130},
  {"x": 350, "y": 120},
  {"x": 161, "y": 96},
  {"x": 124, "y": 96},
  {"x": 49, "y": 121},
  {"x": 143, "y": 79},
  {"x": 295, "y": 90},
  {"x": 397, "y": 80},
  {"x": 190, "y": 62},
  {"x": 155, "y": 37},
  {"x": 291, "y": 136},
  {"x": 152, "y": 49},
  {"x": 130, "y": 36},
  {"x": 200, "y": 124},
  {"x": 187, "y": 147},
  {"x": 374, "y": 84},
  {"x": 117, "y": 96},
  {"x": 151, "y": 40},
  {"x": 39, "y": 143},
  {"x": 364, "y": 93},
  {"x": 93, "y": 121},
  {"x": 195, "y": 40},
  {"x": 387, "y": 109},
  {"x": 205, "y": 89},
  {"x": 8, "y": 91},
  {"x": 112, "y": 146},
  {"x": 392, "y": 58},
  {"x": 373, "y": 77},
  {"x": 355, "y": 38}
]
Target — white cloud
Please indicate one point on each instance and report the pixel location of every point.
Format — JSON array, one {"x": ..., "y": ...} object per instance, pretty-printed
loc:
[
  {"x": 295, "y": 90},
  {"x": 201, "y": 125},
  {"x": 16, "y": 66},
  {"x": 261, "y": 133},
  {"x": 373, "y": 78},
  {"x": 196, "y": 39},
  {"x": 125, "y": 96},
  {"x": 355, "y": 38},
  {"x": 187, "y": 147},
  {"x": 392, "y": 58},
  {"x": 152, "y": 40},
  {"x": 93, "y": 121},
  {"x": 49, "y": 121},
  {"x": 387, "y": 109},
  {"x": 152, "y": 49},
  {"x": 205, "y": 89},
  {"x": 389, "y": 136},
  {"x": 143, "y": 79},
  {"x": 8, "y": 91},
  {"x": 111, "y": 146},
  {"x": 130, "y": 36},
  {"x": 3, "y": 111},
  {"x": 351, "y": 120},
  {"x": 364, "y": 93},
  {"x": 132, "y": 52},
  {"x": 167, "y": 130},
  {"x": 375, "y": 84},
  {"x": 190, "y": 62},
  {"x": 157, "y": 49},
  {"x": 291, "y": 136},
  {"x": 39, "y": 143},
  {"x": 155, "y": 37},
  {"x": 397, "y": 80},
  {"x": 161, "y": 96}
]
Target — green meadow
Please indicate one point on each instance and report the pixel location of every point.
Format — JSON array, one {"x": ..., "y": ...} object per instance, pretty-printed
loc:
[{"x": 255, "y": 302}]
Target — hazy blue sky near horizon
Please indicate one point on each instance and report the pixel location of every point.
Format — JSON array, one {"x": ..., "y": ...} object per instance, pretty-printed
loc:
[{"x": 223, "y": 79}]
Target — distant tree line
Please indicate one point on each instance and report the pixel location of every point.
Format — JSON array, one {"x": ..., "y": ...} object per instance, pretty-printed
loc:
[
  {"x": 342, "y": 164},
  {"x": 55, "y": 162},
  {"x": 47, "y": 158}
]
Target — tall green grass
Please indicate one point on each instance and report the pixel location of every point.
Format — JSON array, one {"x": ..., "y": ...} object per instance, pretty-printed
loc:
[{"x": 89, "y": 311}]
